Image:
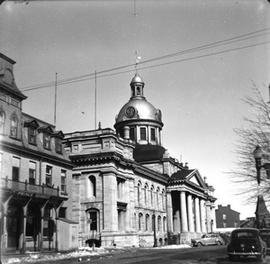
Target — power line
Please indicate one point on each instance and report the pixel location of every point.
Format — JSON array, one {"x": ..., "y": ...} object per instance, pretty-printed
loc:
[{"x": 183, "y": 52}]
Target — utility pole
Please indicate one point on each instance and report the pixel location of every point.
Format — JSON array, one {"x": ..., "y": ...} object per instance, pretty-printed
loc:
[
  {"x": 95, "y": 99},
  {"x": 55, "y": 98}
]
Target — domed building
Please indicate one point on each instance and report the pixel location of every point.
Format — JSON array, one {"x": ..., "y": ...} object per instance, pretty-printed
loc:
[{"x": 127, "y": 190}]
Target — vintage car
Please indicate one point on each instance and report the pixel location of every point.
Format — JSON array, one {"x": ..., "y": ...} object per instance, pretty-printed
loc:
[
  {"x": 207, "y": 239},
  {"x": 246, "y": 242},
  {"x": 265, "y": 235}
]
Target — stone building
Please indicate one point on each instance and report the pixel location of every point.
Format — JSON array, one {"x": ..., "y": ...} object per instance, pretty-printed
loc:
[
  {"x": 127, "y": 190},
  {"x": 35, "y": 176}
]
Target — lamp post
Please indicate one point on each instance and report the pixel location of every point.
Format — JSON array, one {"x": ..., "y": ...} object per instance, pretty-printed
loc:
[{"x": 258, "y": 154}]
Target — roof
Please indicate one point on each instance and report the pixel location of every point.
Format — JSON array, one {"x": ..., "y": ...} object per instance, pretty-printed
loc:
[
  {"x": 181, "y": 174},
  {"x": 261, "y": 208}
]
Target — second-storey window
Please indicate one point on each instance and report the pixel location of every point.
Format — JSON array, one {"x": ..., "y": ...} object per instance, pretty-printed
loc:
[
  {"x": 63, "y": 181},
  {"x": 15, "y": 169},
  {"x": 46, "y": 141},
  {"x": 48, "y": 175},
  {"x": 2, "y": 121},
  {"x": 153, "y": 134},
  {"x": 32, "y": 172}
]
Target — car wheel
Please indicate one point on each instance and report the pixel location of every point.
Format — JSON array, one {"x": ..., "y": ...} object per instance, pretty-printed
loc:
[
  {"x": 200, "y": 244},
  {"x": 219, "y": 243},
  {"x": 261, "y": 257}
]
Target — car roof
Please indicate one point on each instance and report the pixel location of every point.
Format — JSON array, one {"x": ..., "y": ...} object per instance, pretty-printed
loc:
[{"x": 245, "y": 230}]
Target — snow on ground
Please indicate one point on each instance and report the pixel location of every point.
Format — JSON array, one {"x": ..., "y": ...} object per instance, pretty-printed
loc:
[
  {"x": 33, "y": 257},
  {"x": 173, "y": 246}
]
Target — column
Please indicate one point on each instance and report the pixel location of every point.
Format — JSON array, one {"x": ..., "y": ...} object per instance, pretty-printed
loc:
[
  {"x": 183, "y": 211},
  {"x": 126, "y": 132},
  {"x": 169, "y": 212},
  {"x": 110, "y": 214},
  {"x": 197, "y": 215},
  {"x": 202, "y": 211},
  {"x": 22, "y": 235},
  {"x": 190, "y": 214}
]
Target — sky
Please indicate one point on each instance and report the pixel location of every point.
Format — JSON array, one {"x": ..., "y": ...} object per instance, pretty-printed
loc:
[{"x": 199, "y": 93}]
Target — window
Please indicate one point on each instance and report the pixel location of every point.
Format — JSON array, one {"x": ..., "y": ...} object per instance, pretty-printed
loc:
[
  {"x": 152, "y": 196},
  {"x": 224, "y": 216},
  {"x": 120, "y": 188},
  {"x": 139, "y": 193},
  {"x": 140, "y": 221},
  {"x": 92, "y": 186},
  {"x": 58, "y": 145},
  {"x": 62, "y": 212},
  {"x": 143, "y": 133},
  {"x": 15, "y": 102},
  {"x": 2, "y": 121},
  {"x": 14, "y": 127},
  {"x": 146, "y": 194},
  {"x": 48, "y": 175},
  {"x": 132, "y": 133},
  {"x": 92, "y": 216},
  {"x": 15, "y": 169},
  {"x": 224, "y": 224},
  {"x": 153, "y": 134},
  {"x": 164, "y": 224},
  {"x": 46, "y": 141},
  {"x": 63, "y": 181},
  {"x": 32, "y": 172},
  {"x": 32, "y": 135},
  {"x": 147, "y": 217},
  {"x": 159, "y": 223}
]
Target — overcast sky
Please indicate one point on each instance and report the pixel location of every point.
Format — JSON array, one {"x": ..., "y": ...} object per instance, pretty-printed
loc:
[{"x": 200, "y": 98}]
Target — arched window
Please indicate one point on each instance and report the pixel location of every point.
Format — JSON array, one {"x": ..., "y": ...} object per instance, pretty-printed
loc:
[
  {"x": 145, "y": 194},
  {"x": 147, "y": 219},
  {"x": 140, "y": 221},
  {"x": 159, "y": 223},
  {"x": 157, "y": 198},
  {"x": 92, "y": 186},
  {"x": 2, "y": 121},
  {"x": 13, "y": 126},
  {"x": 152, "y": 195},
  {"x": 164, "y": 224},
  {"x": 163, "y": 199},
  {"x": 139, "y": 193}
]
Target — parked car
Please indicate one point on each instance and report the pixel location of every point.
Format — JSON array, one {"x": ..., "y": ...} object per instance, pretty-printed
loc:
[
  {"x": 246, "y": 242},
  {"x": 207, "y": 239},
  {"x": 265, "y": 235}
]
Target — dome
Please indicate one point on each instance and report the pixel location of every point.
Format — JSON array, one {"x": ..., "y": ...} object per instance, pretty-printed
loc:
[
  {"x": 137, "y": 79},
  {"x": 138, "y": 109}
]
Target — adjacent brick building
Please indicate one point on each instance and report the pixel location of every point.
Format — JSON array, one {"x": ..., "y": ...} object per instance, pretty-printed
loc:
[{"x": 226, "y": 217}]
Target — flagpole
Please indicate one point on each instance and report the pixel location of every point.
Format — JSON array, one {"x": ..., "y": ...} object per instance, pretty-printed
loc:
[{"x": 55, "y": 98}]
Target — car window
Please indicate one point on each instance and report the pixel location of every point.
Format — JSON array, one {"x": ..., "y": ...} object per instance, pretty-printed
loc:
[{"x": 244, "y": 234}]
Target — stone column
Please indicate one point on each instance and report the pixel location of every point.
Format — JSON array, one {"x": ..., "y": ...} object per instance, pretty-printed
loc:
[
  {"x": 197, "y": 215},
  {"x": 183, "y": 210},
  {"x": 190, "y": 214},
  {"x": 169, "y": 212},
  {"x": 126, "y": 132},
  {"x": 110, "y": 202},
  {"x": 202, "y": 211},
  {"x": 22, "y": 241}
]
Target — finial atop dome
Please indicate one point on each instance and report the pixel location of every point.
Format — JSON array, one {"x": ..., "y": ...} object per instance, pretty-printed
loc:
[{"x": 137, "y": 79}]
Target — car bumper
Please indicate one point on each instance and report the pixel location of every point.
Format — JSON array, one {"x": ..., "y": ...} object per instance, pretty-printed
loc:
[{"x": 244, "y": 253}]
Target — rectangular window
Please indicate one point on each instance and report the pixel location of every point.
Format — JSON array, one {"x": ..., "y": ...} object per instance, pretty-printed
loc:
[
  {"x": 153, "y": 134},
  {"x": 32, "y": 172},
  {"x": 63, "y": 181},
  {"x": 58, "y": 145},
  {"x": 15, "y": 102},
  {"x": 31, "y": 135},
  {"x": 143, "y": 133},
  {"x": 15, "y": 169},
  {"x": 48, "y": 175},
  {"x": 132, "y": 133},
  {"x": 47, "y": 141}
]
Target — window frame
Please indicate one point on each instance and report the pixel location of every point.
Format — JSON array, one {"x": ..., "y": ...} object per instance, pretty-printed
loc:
[
  {"x": 63, "y": 186},
  {"x": 143, "y": 134},
  {"x": 48, "y": 175},
  {"x": 47, "y": 141},
  {"x": 14, "y": 126}
]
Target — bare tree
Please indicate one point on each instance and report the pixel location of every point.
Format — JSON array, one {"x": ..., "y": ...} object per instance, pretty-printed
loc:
[{"x": 256, "y": 131}]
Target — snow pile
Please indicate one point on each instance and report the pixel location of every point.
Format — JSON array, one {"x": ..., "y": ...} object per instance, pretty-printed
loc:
[
  {"x": 174, "y": 246},
  {"x": 36, "y": 257}
]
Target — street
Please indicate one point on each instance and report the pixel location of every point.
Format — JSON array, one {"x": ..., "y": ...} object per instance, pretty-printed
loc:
[{"x": 208, "y": 255}]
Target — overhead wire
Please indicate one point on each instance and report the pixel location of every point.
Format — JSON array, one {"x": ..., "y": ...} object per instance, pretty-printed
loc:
[{"x": 101, "y": 73}]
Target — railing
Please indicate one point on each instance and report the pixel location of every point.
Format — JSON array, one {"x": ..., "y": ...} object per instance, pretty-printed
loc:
[{"x": 30, "y": 188}]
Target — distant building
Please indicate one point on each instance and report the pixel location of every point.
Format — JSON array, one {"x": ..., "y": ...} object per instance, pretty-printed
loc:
[
  {"x": 35, "y": 175},
  {"x": 226, "y": 217}
]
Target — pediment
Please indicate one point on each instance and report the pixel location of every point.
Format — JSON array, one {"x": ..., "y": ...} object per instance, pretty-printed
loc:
[
  {"x": 33, "y": 123},
  {"x": 195, "y": 178}
]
